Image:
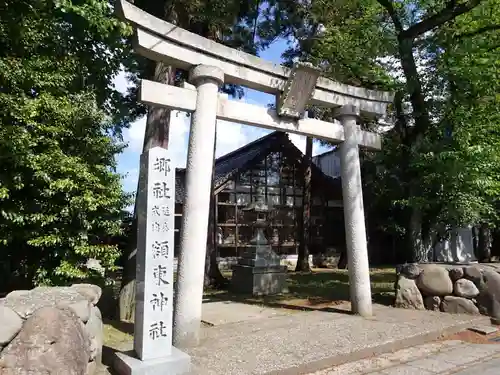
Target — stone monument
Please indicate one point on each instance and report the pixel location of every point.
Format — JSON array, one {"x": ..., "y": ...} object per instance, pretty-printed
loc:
[
  {"x": 259, "y": 271},
  {"x": 153, "y": 349},
  {"x": 458, "y": 247}
]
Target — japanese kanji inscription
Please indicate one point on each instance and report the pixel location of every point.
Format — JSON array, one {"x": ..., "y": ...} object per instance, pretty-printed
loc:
[{"x": 155, "y": 255}]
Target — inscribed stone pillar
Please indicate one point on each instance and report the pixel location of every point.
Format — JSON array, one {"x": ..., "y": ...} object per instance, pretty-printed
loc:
[
  {"x": 191, "y": 259},
  {"x": 354, "y": 216},
  {"x": 155, "y": 244},
  {"x": 153, "y": 348}
]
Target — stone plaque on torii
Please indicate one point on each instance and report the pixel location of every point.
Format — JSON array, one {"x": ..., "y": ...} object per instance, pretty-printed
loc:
[{"x": 210, "y": 65}]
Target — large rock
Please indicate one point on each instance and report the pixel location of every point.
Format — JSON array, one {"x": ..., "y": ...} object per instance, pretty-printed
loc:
[
  {"x": 127, "y": 302},
  {"x": 52, "y": 341},
  {"x": 432, "y": 303},
  {"x": 459, "y": 305},
  {"x": 10, "y": 325},
  {"x": 94, "y": 330},
  {"x": 80, "y": 308},
  {"x": 434, "y": 281},
  {"x": 456, "y": 273},
  {"x": 490, "y": 295},
  {"x": 465, "y": 288},
  {"x": 91, "y": 292},
  {"x": 410, "y": 270},
  {"x": 407, "y": 295},
  {"x": 474, "y": 274},
  {"x": 25, "y": 303}
]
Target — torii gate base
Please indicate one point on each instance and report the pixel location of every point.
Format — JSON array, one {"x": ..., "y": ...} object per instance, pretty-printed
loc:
[{"x": 177, "y": 363}]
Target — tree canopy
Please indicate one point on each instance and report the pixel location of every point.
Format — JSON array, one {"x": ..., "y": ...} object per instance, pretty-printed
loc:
[
  {"x": 439, "y": 164},
  {"x": 61, "y": 199}
]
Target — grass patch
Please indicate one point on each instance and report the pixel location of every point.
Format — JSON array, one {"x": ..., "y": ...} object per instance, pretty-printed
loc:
[
  {"x": 322, "y": 286},
  {"x": 117, "y": 334}
]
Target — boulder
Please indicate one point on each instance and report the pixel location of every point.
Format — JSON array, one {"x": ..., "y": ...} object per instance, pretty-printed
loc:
[
  {"x": 94, "y": 330},
  {"x": 126, "y": 302},
  {"x": 432, "y": 303},
  {"x": 473, "y": 274},
  {"x": 52, "y": 341},
  {"x": 25, "y": 303},
  {"x": 456, "y": 273},
  {"x": 465, "y": 288},
  {"x": 459, "y": 305},
  {"x": 91, "y": 292},
  {"x": 434, "y": 281},
  {"x": 10, "y": 324},
  {"x": 490, "y": 295},
  {"x": 80, "y": 308},
  {"x": 91, "y": 368},
  {"x": 410, "y": 270},
  {"x": 407, "y": 295}
]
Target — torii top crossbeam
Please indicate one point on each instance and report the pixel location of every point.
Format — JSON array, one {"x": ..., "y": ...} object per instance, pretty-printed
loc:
[{"x": 162, "y": 41}]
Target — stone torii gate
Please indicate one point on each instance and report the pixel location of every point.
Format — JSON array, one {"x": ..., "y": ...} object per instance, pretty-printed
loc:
[{"x": 211, "y": 65}]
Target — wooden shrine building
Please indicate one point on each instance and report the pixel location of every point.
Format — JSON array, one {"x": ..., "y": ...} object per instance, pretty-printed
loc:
[{"x": 270, "y": 169}]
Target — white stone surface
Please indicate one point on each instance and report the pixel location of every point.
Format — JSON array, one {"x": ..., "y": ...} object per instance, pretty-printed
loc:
[
  {"x": 484, "y": 330},
  {"x": 176, "y": 363},
  {"x": 155, "y": 254},
  {"x": 11, "y": 325},
  {"x": 354, "y": 216},
  {"x": 458, "y": 248},
  {"x": 158, "y": 94},
  {"x": 193, "y": 241},
  {"x": 223, "y": 312},
  {"x": 465, "y": 245}
]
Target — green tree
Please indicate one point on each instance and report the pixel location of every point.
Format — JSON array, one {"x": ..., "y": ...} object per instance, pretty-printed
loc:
[
  {"x": 61, "y": 199},
  {"x": 439, "y": 161}
]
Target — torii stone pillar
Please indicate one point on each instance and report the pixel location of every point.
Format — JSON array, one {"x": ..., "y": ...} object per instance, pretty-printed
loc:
[
  {"x": 191, "y": 260},
  {"x": 354, "y": 216}
]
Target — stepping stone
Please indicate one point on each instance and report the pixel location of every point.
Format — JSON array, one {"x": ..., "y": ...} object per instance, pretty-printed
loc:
[{"x": 484, "y": 330}]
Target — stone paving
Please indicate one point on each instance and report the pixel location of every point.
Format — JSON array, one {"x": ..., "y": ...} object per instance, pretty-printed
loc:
[
  {"x": 224, "y": 312},
  {"x": 247, "y": 339},
  {"x": 444, "y": 357},
  {"x": 305, "y": 342}
]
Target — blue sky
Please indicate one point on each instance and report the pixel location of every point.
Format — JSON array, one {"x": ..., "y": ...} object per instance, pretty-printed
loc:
[{"x": 230, "y": 136}]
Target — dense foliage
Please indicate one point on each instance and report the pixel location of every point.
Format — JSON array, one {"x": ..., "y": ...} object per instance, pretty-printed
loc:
[
  {"x": 439, "y": 166},
  {"x": 61, "y": 200}
]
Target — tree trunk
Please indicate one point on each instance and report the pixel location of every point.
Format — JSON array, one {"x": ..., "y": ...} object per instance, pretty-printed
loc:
[
  {"x": 155, "y": 135},
  {"x": 484, "y": 248},
  {"x": 213, "y": 276},
  {"x": 303, "y": 256},
  {"x": 414, "y": 236},
  {"x": 422, "y": 123},
  {"x": 342, "y": 264}
]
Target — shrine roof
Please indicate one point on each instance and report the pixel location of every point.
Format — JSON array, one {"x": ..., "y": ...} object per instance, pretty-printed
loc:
[{"x": 240, "y": 159}]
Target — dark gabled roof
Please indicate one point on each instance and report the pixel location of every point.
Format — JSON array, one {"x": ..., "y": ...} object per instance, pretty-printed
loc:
[{"x": 229, "y": 164}]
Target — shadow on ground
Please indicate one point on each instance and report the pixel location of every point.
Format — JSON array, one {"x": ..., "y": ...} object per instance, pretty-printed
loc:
[
  {"x": 322, "y": 289},
  {"x": 108, "y": 355}
]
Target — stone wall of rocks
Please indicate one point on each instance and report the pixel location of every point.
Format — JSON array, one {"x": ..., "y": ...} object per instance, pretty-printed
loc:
[
  {"x": 454, "y": 289},
  {"x": 51, "y": 330}
]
